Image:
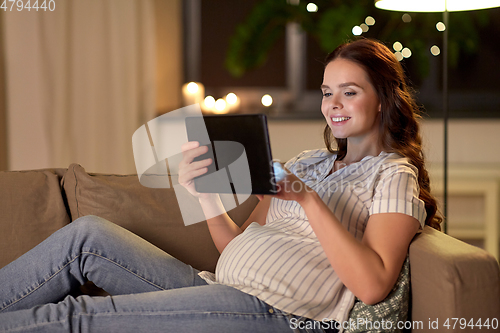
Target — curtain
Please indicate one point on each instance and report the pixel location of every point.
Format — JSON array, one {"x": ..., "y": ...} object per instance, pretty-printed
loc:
[
  {"x": 80, "y": 80},
  {"x": 3, "y": 118}
]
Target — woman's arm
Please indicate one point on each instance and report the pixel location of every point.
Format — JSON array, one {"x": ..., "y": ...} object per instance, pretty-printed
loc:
[
  {"x": 222, "y": 228},
  {"x": 369, "y": 268}
]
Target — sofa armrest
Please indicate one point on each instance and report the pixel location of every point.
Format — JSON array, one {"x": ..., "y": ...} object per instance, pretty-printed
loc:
[{"x": 452, "y": 279}]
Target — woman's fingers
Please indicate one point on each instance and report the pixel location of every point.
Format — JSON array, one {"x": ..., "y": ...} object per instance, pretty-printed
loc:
[
  {"x": 200, "y": 164},
  {"x": 189, "y": 168},
  {"x": 191, "y": 150},
  {"x": 186, "y": 179},
  {"x": 189, "y": 153},
  {"x": 193, "y": 170},
  {"x": 189, "y": 145}
]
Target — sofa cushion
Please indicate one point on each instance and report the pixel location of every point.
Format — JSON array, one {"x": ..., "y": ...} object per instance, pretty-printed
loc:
[
  {"x": 31, "y": 209},
  {"x": 150, "y": 213}
]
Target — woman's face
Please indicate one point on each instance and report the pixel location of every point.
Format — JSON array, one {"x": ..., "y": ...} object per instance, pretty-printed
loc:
[{"x": 350, "y": 103}]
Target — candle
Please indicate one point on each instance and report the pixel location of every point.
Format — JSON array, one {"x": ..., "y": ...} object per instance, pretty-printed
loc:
[
  {"x": 220, "y": 106},
  {"x": 192, "y": 93},
  {"x": 233, "y": 102},
  {"x": 208, "y": 104},
  {"x": 267, "y": 100}
]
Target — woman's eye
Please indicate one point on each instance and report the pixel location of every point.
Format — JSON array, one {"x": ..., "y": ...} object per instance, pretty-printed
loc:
[
  {"x": 350, "y": 93},
  {"x": 327, "y": 94}
]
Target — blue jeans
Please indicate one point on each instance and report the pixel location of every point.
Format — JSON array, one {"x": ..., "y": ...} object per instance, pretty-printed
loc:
[{"x": 151, "y": 290}]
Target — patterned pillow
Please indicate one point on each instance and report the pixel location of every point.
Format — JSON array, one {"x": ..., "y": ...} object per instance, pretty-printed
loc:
[{"x": 384, "y": 316}]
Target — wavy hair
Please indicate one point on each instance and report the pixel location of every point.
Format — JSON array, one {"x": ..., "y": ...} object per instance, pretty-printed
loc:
[{"x": 399, "y": 126}]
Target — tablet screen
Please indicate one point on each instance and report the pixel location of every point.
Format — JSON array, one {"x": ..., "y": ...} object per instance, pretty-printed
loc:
[{"x": 240, "y": 148}]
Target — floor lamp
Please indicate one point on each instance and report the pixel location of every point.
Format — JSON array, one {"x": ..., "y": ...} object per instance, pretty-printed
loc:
[{"x": 443, "y": 6}]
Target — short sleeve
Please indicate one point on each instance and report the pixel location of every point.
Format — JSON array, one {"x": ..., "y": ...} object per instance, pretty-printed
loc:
[{"x": 397, "y": 191}]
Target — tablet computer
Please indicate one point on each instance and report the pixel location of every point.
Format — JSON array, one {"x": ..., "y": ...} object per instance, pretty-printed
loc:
[{"x": 240, "y": 148}]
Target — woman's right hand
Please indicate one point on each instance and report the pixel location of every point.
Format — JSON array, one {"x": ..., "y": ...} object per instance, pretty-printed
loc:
[{"x": 189, "y": 169}]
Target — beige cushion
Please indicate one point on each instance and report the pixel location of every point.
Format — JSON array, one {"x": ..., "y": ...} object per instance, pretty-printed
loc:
[
  {"x": 150, "y": 213},
  {"x": 452, "y": 279},
  {"x": 31, "y": 209}
]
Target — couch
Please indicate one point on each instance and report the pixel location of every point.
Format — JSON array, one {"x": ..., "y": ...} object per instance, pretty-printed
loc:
[{"x": 451, "y": 281}]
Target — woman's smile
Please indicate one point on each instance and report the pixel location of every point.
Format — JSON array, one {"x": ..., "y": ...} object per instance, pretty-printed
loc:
[{"x": 339, "y": 120}]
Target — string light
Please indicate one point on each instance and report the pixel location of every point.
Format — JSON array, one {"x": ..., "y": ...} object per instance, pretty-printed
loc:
[
  {"x": 406, "y": 18},
  {"x": 440, "y": 26},
  {"x": 356, "y": 30},
  {"x": 369, "y": 20},
  {"x": 397, "y": 46},
  {"x": 406, "y": 52},
  {"x": 312, "y": 7},
  {"x": 435, "y": 51}
]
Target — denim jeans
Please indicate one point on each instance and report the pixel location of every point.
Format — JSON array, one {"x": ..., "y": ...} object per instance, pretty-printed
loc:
[{"x": 151, "y": 290}]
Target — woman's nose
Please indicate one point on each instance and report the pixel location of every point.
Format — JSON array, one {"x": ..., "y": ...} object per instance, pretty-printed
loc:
[{"x": 335, "y": 102}]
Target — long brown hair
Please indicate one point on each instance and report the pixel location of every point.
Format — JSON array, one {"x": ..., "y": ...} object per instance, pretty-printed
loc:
[{"x": 399, "y": 127}]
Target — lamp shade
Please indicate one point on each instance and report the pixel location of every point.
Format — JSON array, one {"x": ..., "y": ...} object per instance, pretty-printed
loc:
[{"x": 435, "y": 5}]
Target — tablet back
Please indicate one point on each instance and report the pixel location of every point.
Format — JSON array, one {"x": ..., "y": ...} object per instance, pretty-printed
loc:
[{"x": 240, "y": 148}]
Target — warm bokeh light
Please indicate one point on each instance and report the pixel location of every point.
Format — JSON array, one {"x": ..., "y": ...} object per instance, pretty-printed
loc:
[
  {"x": 231, "y": 98},
  {"x": 398, "y": 55},
  {"x": 193, "y": 93},
  {"x": 267, "y": 100},
  {"x": 364, "y": 27},
  {"x": 209, "y": 102},
  {"x": 192, "y": 87},
  {"x": 220, "y": 106}
]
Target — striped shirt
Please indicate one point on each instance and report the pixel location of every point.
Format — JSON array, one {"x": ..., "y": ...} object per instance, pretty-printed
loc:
[{"x": 283, "y": 263}]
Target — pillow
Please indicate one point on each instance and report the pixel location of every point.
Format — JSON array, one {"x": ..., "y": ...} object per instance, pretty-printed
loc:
[
  {"x": 151, "y": 213},
  {"x": 385, "y": 315},
  {"x": 31, "y": 209}
]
